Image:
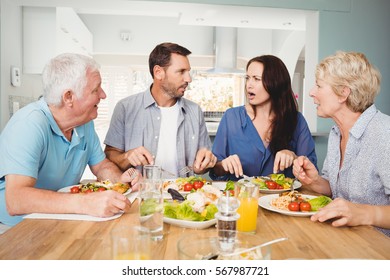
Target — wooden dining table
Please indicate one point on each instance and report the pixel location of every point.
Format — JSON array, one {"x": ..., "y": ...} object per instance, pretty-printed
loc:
[{"x": 52, "y": 239}]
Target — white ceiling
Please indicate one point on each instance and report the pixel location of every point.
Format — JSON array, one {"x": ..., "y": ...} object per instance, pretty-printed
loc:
[{"x": 187, "y": 13}]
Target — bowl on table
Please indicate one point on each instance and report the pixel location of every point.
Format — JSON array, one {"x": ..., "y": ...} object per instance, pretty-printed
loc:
[{"x": 207, "y": 245}]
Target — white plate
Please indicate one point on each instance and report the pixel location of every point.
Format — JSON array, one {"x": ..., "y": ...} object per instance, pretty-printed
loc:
[
  {"x": 297, "y": 185},
  {"x": 190, "y": 224},
  {"x": 219, "y": 185},
  {"x": 67, "y": 189},
  {"x": 265, "y": 202}
]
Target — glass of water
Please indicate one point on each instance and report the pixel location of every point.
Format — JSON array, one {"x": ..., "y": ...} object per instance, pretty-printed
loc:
[{"x": 151, "y": 201}]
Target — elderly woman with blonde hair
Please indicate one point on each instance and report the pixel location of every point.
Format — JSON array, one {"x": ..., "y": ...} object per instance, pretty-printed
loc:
[{"x": 355, "y": 172}]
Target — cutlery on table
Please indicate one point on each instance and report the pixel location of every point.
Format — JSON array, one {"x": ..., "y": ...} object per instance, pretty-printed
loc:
[
  {"x": 185, "y": 170},
  {"x": 167, "y": 174},
  {"x": 292, "y": 184},
  {"x": 254, "y": 247},
  {"x": 133, "y": 173}
]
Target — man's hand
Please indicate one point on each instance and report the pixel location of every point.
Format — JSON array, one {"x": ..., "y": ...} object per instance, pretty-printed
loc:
[
  {"x": 139, "y": 156},
  {"x": 204, "y": 160},
  {"x": 131, "y": 176}
]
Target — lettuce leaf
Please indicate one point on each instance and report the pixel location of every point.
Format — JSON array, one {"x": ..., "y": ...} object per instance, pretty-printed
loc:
[
  {"x": 210, "y": 211},
  {"x": 319, "y": 202},
  {"x": 229, "y": 185},
  {"x": 184, "y": 211},
  {"x": 148, "y": 206}
]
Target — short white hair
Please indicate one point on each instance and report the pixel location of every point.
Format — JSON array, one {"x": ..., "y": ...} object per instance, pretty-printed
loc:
[{"x": 66, "y": 72}]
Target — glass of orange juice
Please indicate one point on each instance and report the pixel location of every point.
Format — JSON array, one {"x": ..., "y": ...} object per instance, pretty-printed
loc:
[
  {"x": 130, "y": 243},
  {"x": 248, "y": 195}
]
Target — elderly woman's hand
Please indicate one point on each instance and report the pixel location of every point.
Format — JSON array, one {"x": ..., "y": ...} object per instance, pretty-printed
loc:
[
  {"x": 343, "y": 213},
  {"x": 304, "y": 170}
]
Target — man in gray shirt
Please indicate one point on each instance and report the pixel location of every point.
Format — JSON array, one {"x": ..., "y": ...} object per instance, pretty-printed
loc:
[{"x": 159, "y": 126}]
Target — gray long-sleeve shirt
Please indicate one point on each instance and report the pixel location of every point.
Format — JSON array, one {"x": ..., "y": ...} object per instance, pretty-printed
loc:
[{"x": 136, "y": 122}]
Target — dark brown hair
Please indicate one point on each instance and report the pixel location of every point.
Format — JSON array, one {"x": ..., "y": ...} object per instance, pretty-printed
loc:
[
  {"x": 277, "y": 83},
  {"x": 161, "y": 55}
]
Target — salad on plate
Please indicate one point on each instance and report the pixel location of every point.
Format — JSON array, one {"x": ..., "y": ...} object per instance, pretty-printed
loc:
[
  {"x": 198, "y": 206},
  {"x": 185, "y": 184},
  {"x": 273, "y": 183},
  {"x": 98, "y": 186}
]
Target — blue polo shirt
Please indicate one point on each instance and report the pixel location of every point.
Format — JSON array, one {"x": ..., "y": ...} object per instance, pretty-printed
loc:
[{"x": 33, "y": 145}]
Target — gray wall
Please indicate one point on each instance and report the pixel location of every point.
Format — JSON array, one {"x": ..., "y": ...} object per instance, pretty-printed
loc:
[
  {"x": 363, "y": 29},
  {"x": 358, "y": 25}
]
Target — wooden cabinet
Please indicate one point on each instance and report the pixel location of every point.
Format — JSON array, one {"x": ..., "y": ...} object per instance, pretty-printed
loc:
[{"x": 51, "y": 31}]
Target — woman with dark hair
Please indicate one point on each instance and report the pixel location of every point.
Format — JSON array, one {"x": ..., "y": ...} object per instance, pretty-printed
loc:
[{"x": 265, "y": 135}]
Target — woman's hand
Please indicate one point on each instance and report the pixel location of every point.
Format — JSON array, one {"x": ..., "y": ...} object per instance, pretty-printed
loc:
[
  {"x": 344, "y": 213},
  {"x": 283, "y": 160},
  {"x": 305, "y": 171},
  {"x": 232, "y": 164}
]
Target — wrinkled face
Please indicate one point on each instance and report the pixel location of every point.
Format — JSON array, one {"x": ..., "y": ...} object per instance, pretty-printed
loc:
[
  {"x": 324, "y": 97},
  {"x": 256, "y": 93},
  {"x": 85, "y": 108},
  {"x": 176, "y": 76}
]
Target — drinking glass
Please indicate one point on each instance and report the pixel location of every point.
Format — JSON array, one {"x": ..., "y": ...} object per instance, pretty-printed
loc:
[
  {"x": 151, "y": 201},
  {"x": 130, "y": 243},
  {"x": 248, "y": 195}
]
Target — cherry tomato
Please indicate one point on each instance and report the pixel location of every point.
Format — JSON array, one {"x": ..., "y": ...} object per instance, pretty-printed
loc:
[
  {"x": 271, "y": 185},
  {"x": 75, "y": 189},
  {"x": 231, "y": 192},
  {"x": 305, "y": 206},
  {"x": 293, "y": 206},
  {"x": 88, "y": 191},
  {"x": 198, "y": 185},
  {"x": 101, "y": 189},
  {"x": 188, "y": 187},
  {"x": 279, "y": 187}
]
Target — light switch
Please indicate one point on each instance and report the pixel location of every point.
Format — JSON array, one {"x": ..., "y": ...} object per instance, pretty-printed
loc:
[{"x": 15, "y": 76}]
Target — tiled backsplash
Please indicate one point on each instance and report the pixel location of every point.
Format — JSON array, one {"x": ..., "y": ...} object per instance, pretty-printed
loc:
[{"x": 18, "y": 100}]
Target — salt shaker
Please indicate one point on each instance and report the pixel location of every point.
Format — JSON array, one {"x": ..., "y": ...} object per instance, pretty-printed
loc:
[{"x": 227, "y": 217}]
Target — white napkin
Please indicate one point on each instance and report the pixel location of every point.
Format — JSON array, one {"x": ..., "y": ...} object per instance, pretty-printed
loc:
[
  {"x": 78, "y": 217},
  {"x": 132, "y": 196}
]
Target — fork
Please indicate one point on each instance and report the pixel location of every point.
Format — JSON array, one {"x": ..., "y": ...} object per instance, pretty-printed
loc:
[
  {"x": 168, "y": 174},
  {"x": 133, "y": 173},
  {"x": 185, "y": 170},
  {"x": 292, "y": 184}
]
